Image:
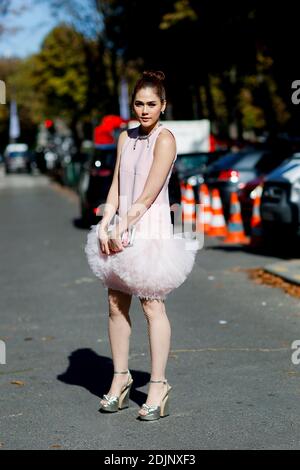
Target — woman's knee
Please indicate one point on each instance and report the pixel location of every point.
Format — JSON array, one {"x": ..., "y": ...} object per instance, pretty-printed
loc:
[
  {"x": 119, "y": 302},
  {"x": 152, "y": 308}
]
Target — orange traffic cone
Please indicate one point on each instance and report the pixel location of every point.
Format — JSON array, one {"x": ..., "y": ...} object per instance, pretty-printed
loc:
[
  {"x": 205, "y": 208},
  {"x": 200, "y": 212},
  {"x": 189, "y": 205},
  {"x": 217, "y": 224},
  {"x": 236, "y": 233},
  {"x": 256, "y": 223},
  {"x": 182, "y": 190}
]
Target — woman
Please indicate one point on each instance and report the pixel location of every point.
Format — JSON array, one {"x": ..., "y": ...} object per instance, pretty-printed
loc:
[{"x": 157, "y": 262}]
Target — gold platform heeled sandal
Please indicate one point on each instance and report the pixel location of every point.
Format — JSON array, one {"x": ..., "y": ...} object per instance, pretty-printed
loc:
[
  {"x": 160, "y": 411},
  {"x": 115, "y": 403}
]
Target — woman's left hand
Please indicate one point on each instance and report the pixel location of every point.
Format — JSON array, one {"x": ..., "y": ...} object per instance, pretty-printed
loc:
[{"x": 115, "y": 242}]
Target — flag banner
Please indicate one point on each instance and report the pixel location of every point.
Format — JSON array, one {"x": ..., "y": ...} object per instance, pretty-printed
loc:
[
  {"x": 123, "y": 100},
  {"x": 14, "y": 124}
]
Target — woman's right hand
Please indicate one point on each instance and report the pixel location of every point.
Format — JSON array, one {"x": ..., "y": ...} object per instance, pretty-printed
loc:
[{"x": 103, "y": 238}]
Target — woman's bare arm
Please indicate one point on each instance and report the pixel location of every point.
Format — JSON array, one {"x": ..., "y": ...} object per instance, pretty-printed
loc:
[{"x": 163, "y": 158}]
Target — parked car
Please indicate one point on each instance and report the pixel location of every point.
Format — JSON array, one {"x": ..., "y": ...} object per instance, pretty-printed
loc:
[
  {"x": 247, "y": 196},
  {"x": 234, "y": 170},
  {"x": 17, "y": 158},
  {"x": 191, "y": 167},
  {"x": 95, "y": 180},
  {"x": 280, "y": 202}
]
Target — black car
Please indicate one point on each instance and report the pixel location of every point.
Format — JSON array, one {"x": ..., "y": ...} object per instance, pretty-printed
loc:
[
  {"x": 191, "y": 167},
  {"x": 95, "y": 180},
  {"x": 234, "y": 170},
  {"x": 280, "y": 202}
]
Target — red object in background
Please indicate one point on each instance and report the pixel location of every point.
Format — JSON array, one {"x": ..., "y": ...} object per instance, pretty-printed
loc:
[
  {"x": 228, "y": 175},
  {"x": 111, "y": 121},
  {"x": 212, "y": 143},
  {"x": 103, "y": 134},
  {"x": 48, "y": 123}
]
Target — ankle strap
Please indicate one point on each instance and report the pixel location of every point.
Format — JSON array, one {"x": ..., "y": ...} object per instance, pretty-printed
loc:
[
  {"x": 158, "y": 381},
  {"x": 125, "y": 372}
]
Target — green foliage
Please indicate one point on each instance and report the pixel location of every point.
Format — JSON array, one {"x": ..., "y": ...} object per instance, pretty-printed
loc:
[
  {"x": 222, "y": 61},
  {"x": 60, "y": 73},
  {"x": 183, "y": 12}
]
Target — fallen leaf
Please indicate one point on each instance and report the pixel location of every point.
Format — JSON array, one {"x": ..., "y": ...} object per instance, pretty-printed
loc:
[
  {"x": 18, "y": 382},
  {"x": 55, "y": 446},
  {"x": 259, "y": 276}
]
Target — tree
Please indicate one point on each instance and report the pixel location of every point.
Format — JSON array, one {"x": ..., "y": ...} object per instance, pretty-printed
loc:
[
  {"x": 207, "y": 50},
  {"x": 66, "y": 74}
]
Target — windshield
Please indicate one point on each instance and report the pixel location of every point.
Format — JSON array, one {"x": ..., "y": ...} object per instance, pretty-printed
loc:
[
  {"x": 238, "y": 161},
  {"x": 17, "y": 154},
  {"x": 191, "y": 161}
]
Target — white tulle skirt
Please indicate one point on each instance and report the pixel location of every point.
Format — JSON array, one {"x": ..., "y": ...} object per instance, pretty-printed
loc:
[{"x": 150, "y": 269}]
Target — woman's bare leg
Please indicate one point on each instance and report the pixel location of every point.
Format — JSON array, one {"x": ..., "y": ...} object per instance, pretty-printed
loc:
[
  {"x": 159, "y": 332},
  {"x": 119, "y": 329}
]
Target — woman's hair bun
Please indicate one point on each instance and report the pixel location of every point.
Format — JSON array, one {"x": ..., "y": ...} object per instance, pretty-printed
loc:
[
  {"x": 152, "y": 79},
  {"x": 153, "y": 75}
]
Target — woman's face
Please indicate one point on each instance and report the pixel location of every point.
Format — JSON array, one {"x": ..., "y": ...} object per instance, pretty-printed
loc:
[{"x": 148, "y": 106}]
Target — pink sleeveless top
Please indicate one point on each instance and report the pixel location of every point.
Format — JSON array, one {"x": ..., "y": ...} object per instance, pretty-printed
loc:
[
  {"x": 159, "y": 261},
  {"x": 135, "y": 163}
]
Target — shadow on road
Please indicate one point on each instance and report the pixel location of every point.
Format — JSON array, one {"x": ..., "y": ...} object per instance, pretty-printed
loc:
[{"x": 87, "y": 369}]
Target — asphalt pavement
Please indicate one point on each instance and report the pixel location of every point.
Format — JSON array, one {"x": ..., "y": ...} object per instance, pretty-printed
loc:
[{"x": 234, "y": 383}]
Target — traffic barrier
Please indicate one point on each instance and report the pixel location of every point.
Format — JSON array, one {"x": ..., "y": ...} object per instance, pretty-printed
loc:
[
  {"x": 217, "y": 224},
  {"x": 236, "y": 233}
]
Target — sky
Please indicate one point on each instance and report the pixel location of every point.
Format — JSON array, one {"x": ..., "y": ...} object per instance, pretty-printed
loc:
[{"x": 33, "y": 23}]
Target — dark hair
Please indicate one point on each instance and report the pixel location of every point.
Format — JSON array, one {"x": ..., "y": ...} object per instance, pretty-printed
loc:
[{"x": 151, "y": 79}]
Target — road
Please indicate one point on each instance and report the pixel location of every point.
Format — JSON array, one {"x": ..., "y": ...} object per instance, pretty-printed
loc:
[{"x": 234, "y": 384}]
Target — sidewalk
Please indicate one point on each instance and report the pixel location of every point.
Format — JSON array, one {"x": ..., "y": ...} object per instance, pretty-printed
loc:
[{"x": 287, "y": 270}]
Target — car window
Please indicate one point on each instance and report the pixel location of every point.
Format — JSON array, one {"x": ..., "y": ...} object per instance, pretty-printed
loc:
[
  {"x": 238, "y": 161},
  {"x": 248, "y": 161},
  {"x": 226, "y": 161},
  {"x": 17, "y": 154},
  {"x": 189, "y": 162},
  {"x": 269, "y": 161}
]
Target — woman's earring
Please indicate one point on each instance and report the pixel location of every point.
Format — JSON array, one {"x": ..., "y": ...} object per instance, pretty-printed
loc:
[{"x": 162, "y": 112}]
